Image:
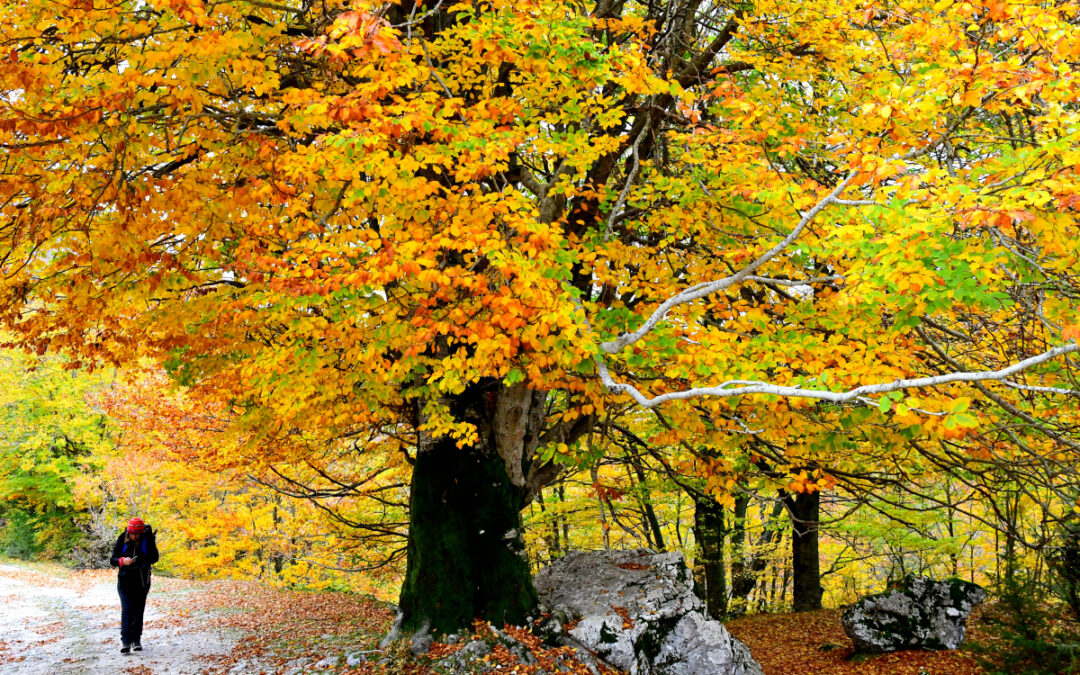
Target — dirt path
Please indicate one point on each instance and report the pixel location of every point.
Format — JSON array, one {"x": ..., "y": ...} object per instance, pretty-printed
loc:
[{"x": 66, "y": 623}]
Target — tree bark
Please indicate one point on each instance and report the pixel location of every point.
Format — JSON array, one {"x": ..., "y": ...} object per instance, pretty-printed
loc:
[
  {"x": 742, "y": 579},
  {"x": 745, "y": 571},
  {"x": 805, "y": 559},
  {"x": 562, "y": 518},
  {"x": 710, "y": 532},
  {"x": 652, "y": 523},
  {"x": 465, "y": 551},
  {"x": 554, "y": 542}
]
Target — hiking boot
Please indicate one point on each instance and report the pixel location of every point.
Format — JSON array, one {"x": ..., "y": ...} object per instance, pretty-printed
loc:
[
  {"x": 126, "y": 649},
  {"x": 137, "y": 646}
]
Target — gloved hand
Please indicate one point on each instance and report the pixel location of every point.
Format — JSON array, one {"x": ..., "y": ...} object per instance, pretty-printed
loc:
[{"x": 125, "y": 561}]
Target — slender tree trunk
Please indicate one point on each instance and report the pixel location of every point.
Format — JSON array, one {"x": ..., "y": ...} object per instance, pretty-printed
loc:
[
  {"x": 554, "y": 546},
  {"x": 636, "y": 488},
  {"x": 784, "y": 583},
  {"x": 604, "y": 527},
  {"x": 805, "y": 559},
  {"x": 678, "y": 519},
  {"x": 769, "y": 601},
  {"x": 277, "y": 560},
  {"x": 1011, "y": 511},
  {"x": 746, "y": 570},
  {"x": 950, "y": 525},
  {"x": 562, "y": 518},
  {"x": 652, "y": 522},
  {"x": 742, "y": 579},
  {"x": 710, "y": 532}
]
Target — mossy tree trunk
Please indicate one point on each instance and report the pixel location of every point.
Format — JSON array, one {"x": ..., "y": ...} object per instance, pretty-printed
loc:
[{"x": 466, "y": 554}]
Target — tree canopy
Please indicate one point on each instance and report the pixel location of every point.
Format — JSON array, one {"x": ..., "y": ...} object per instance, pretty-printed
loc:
[{"x": 473, "y": 232}]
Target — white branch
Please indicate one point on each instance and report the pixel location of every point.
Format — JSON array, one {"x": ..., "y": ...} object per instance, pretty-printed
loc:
[
  {"x": 795, "y": 282},
  {"x": 1043, "y": 390},
  {"x": 745, "y": 388},
  {"x": 749, "y": 387},
  {"x": 709, "y": 287}
]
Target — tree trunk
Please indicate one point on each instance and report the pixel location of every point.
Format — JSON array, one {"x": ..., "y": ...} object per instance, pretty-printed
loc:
[
  {"x": 710, "y": 532},
  {"x": 553, "y": 545},
  {"x": 652, "y": 523},
  {"x": 466, "y": 556},
  {"x": 1011, "y": 516},
  {"x": 745, "y": 572},
  {"x": 465, "y": 551},
  {"x": 806, "y": 563},
  {"x": 562, "y": 519},
  {"x": 742, "y": 579}
]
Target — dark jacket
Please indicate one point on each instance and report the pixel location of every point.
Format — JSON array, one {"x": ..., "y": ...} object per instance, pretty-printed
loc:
[{"x": 145, "y": 553}]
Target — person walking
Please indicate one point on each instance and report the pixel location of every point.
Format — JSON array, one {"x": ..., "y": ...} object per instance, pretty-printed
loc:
[{"x": 134, "y": 552}]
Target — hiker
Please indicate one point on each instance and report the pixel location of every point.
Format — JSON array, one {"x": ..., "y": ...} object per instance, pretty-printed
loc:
[{"x": 134, "y": 552}]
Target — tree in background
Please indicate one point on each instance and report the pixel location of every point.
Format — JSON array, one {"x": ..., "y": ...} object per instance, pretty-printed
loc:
[
  {"x": 464, "y": 232},
  {"x": 223, "y": 516},
  {"x": 50, "y": 437}
]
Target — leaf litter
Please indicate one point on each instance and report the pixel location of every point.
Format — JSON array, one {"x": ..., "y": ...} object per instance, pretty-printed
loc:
[{"x": 271, "y": 630}]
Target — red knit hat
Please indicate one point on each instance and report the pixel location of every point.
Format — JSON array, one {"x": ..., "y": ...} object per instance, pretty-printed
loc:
[{"x": 136, "y": 526}]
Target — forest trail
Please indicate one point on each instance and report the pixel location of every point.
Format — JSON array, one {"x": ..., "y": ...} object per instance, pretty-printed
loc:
[
  {"x": 70, "y": 623},
  {"x": 59, "y": 621}
]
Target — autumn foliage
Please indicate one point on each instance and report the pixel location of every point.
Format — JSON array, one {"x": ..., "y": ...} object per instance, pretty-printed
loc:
[{"x": 441, "y": 242}]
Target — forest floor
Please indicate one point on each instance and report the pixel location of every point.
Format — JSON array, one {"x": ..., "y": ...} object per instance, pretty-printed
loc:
[
  {"x": 815, "y": 643},
  {"x": 59, "y": 621}
]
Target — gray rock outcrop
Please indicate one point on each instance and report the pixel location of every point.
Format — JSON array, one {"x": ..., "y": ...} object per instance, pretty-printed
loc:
[
  {"x": 637, "y": 611},
  {"x": 919, "y": 614}
]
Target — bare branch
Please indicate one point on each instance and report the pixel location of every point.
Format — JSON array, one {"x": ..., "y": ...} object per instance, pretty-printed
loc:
[
  {"x": 277, "y": 7},
  {"x": 795, "y": 282},
  {"x": 825, "y": 395},
  {"x": 708, "y": 288},
  {"x": 645, "y": 129}
]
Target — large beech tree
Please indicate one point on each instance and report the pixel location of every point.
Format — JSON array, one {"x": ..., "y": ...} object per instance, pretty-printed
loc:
[{"x": 466, "y": 229}]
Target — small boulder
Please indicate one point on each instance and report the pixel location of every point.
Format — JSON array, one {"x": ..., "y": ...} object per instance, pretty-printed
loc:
[
  {"x": 920, "y": 613},
  {"x": 637, "y": 611}
]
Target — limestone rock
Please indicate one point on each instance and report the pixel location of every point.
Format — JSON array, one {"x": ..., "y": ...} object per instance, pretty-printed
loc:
[
  {"x": 919, "y": 614},
  {"x": 471, "y": 658},
  {"x": 638, "y": 612},
  {"x": 468, "y": 659}
]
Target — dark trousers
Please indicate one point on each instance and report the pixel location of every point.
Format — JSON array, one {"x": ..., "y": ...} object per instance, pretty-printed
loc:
[{"x": 132, "y": 604}]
